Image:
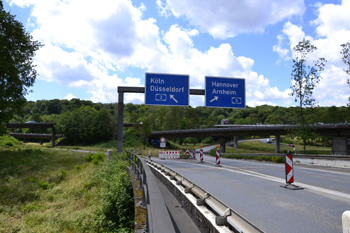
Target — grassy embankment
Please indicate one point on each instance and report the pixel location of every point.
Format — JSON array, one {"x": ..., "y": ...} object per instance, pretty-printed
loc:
[
  {"x": 260, "y": 147},
  {"x": 48, "y": 190},
  {"x": 257, "y": 147}
]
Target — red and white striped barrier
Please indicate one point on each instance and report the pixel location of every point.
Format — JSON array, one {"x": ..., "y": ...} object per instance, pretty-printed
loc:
[
  {"x": 169, "y": 154},
  {"x": 194, "y": 153},
  {"x": 289, "y": 169},
  {"x": 217, "y": 156},
  {"x": 187, "y": 152},
  {"x": 201, "y": 154}
]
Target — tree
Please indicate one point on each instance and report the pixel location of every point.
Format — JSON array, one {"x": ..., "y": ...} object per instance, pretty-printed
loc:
[
  {"x": 145, "y": 131},
  {"x": 17, "y": 71},
  {"x": 346, "y": 59},
  {"x": 305, "y": 77}
]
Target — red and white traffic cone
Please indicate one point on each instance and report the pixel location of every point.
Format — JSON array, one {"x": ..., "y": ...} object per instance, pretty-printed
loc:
[
  {"x": 217, "y": 156},
  {"x": 201, "y": 153}
]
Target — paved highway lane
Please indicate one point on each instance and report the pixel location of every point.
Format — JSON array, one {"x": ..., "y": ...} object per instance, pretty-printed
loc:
[{"x": 253, "y": 190}]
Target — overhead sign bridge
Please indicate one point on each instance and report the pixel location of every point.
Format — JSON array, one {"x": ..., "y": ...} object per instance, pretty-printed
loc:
[{"x": 173, "y": 90}]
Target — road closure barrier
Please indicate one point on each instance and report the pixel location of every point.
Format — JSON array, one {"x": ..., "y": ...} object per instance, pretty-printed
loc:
[
  {"x": 290, "y": 174},
  {"x": 169, "y": 154},
  {"x": 201, "y": 154},
  {"x": 194, "y": 153},
  {"x": 217, "y": 156}
]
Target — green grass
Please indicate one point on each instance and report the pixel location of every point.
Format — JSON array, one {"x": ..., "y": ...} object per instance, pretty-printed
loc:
[
  {"x": 260, "y": 147},
  {"x": 47, "y": 190}
]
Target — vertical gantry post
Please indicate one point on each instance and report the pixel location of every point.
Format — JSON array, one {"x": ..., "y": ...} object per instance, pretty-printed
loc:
[{"x": 120, "y": 121}]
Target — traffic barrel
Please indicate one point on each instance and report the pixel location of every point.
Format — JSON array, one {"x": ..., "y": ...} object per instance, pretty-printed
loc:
[
  {"x": 201, "y": 153},
  {"x": 217, "y": 155}
]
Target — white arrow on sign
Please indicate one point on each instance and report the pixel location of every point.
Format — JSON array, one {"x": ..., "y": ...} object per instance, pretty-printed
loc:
[
  {"x": 172, "y": 97},
  {"x": 215, "y": 98}
]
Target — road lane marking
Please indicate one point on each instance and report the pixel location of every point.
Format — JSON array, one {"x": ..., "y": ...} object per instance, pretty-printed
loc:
[{"x": 271, "y": 178}]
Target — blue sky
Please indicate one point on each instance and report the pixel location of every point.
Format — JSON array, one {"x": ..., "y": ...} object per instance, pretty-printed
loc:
[{"x": 92, "y": 47}]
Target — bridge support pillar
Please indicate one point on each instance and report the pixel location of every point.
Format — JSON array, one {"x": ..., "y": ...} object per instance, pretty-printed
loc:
[
  {"x": 222, "y": 145},
  {"x": 235, "y": 140},
  {"x": 277, "y": 143},
  {"x": 339, "y": 145},
  {"x": 53, "y": 137}
]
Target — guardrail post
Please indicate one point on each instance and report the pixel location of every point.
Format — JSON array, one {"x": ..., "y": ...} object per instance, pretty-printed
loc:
[
  {"x": 109, "y": 154},
  {"x": 141, "y": 178}
]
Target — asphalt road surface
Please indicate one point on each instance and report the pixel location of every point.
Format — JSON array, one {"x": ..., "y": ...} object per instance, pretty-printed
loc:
[{"x": 253, "y": 190}]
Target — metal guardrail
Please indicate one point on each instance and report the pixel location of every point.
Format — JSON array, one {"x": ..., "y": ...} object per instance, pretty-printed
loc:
[
  {"x": 225, "y": 216},
  {"x": 157, "y": 218}
]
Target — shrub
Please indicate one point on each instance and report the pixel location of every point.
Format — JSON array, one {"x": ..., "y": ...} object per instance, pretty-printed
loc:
[
  {"x": 9, "y": 144},
  {"x": 89, "y": 158},
  {"x": 45, "y": 185},
  {"x": 278, "y": 159}
]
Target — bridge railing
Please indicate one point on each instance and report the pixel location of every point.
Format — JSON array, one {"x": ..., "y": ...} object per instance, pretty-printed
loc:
[
  {"x": 225, "y": 216},
  {"x": 157, "y": 218}
]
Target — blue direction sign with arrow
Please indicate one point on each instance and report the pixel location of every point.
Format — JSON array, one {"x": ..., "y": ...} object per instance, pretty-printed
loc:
[
  {"x": 224, "y": 92},
  {"x": 167, "y": 89}
]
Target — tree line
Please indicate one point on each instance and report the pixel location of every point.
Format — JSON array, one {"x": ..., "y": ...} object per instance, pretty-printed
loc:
[{"x": 85, "y": 122}]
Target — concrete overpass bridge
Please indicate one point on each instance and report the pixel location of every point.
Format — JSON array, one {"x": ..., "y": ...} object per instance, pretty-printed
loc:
[{"x": 340, "y": 134}]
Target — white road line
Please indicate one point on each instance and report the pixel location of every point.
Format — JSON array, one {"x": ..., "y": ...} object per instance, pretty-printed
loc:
[{"x": 272, "y": 178}]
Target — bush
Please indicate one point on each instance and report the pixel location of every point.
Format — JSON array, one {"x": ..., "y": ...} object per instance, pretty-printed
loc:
[
  {"x": 9, "y": 144},
  {"x": 118, "y": 206},
  {"x": 95, "y": 158},
  {"x": 131, "y": 138},
  {"x": 278, "y": 159},
  {"x": 208, "y": 140},
  {"x": 8, "y": 141}
]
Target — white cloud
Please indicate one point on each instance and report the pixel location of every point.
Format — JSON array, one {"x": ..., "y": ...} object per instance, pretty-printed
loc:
[
  {"x": 332, "y": 29},
  {"x": 282, "y": 52},
  {"x": 69, "y": 97},
  {"x": 91, "y": 49},
  {"x": 228, "y": 18}
]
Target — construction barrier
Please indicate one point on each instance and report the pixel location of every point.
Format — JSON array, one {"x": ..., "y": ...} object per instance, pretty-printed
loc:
[
  {"x": 169, "y": 154},
  {"x": 289, "y": 169},
  {"x": 217, "y": 155},
  {"x": 187, "y": 152},
  {"x": 194, "y": 153},
  {"x": 201, "y": 154}
]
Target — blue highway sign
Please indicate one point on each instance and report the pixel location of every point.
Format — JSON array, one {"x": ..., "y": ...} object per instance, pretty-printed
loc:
[
  {"x": 224, "y": 92},
  {"x": 167, "y": 89}
]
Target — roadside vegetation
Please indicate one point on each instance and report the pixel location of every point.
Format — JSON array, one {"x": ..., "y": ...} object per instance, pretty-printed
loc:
[
  {"x": 86, "y": 123},
  {"x": 261, "y": 147},
  {"x": 48, "y": 190}
]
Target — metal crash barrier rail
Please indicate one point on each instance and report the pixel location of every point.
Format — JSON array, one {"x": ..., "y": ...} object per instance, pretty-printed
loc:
[
  {"x": 158, "y": 218},
  {"x": 225, "y": 216}
]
